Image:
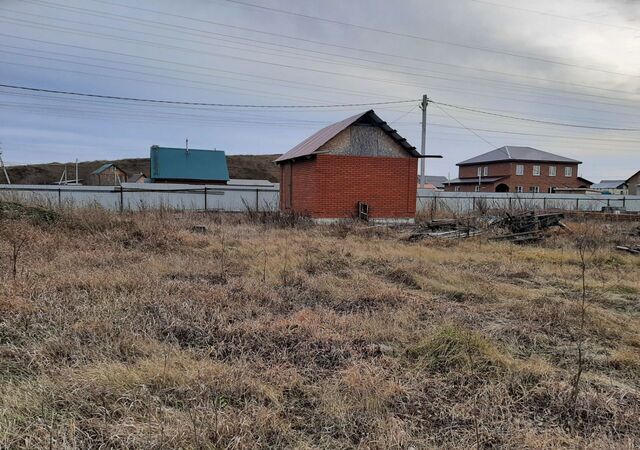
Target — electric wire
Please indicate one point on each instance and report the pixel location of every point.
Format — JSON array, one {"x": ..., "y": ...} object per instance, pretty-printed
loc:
[
  {"x": 183, "y": 29},
  {"x": 546, "y": 122},
  {"x": 254, "y": 43},
  {"x": 491, "y": 144},
  {"x": 416, "y": 37},
  {"x": 177, "y": 102}
]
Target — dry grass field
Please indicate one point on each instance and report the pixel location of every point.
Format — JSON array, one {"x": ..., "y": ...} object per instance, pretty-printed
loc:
[{"x": 139, "y": 331}]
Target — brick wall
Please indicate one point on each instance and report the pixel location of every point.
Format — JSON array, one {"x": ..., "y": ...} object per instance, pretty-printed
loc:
[
  {"x": 495, "y": 170},
  {"x": 329, "y": 186},
  {"x": 528, "y": 180}
]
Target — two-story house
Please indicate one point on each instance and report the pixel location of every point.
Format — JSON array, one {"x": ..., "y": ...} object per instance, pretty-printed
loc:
[{"x": 517, "y": 169}]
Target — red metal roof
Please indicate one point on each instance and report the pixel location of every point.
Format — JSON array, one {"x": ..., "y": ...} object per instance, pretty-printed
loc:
[{"x": 314, "y": 142}]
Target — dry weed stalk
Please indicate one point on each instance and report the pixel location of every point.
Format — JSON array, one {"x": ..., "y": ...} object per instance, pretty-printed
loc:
[{"x": 586, "y": 242}]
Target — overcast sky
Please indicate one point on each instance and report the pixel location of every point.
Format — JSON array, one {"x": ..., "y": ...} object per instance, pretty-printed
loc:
[{"x": 573, "y": 62}]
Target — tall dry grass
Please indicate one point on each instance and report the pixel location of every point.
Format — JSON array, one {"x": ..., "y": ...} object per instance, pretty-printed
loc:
[{"x": 140, "y": 331}]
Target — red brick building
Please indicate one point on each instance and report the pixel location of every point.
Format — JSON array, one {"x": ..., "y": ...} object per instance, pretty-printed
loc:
[
  {"x": 360, "y": 159},
  {"x": 517, "y": 169}
]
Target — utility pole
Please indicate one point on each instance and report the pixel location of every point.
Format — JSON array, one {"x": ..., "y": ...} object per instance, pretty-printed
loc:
[
  {"x": 4, "y": 169},
  {"x": 423, "y": 150}
]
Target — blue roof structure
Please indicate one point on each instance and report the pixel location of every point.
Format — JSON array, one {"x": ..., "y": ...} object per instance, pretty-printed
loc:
[{"x": 181, "y": 164}]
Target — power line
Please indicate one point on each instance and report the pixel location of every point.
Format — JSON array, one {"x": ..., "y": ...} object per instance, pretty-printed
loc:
[
  {"x": 572, "y": 125},
  {"x": 224, "y": 105},
  {"x": 173, "y": 102},
  {"x": 492, "y": 145},
  {"x": 119, "y": 110},
  {"x": 182, "y": 28},
  {"x": 256, "y": 41},
  {"x": 397, "y": 119},
  {"x": 422, "y": 38},
  {"x": 159, "y": 70},
  {"x": 447, "y": 78},
  {"x": 579, "y": 138},
  {"x": 557, "y": 16},
  {"x": 236, "y": 73}
]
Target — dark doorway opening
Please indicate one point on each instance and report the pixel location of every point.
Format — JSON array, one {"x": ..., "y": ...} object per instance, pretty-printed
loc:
[{"x": 502, "y": 188}]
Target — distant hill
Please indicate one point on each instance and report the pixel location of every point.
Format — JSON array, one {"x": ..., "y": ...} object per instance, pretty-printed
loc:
[{"x": 252, "y": 167}]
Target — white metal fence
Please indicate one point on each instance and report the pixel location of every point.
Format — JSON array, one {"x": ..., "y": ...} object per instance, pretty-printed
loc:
[
  {"x": 265, "y": 197},
  {"x": 464, "y": 202},
  {"x": 137, "y": 197}
]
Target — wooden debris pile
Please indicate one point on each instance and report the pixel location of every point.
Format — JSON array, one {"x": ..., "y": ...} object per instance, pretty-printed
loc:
[
  {"x": 631, "y": 248},
  {"x": 528, "y": 227},
  {"x": 520, "y": 228},
  {"x": 445, "y": 229},
  {"x": 634, "y": 250}
]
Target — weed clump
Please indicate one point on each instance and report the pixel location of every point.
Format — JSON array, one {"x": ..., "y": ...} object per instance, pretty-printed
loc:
[
  {"x": 452, "y": 347},
  {"x": 36, "y": 215}
]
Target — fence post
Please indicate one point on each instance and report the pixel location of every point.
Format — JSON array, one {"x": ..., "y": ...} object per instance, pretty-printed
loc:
[
  {"x": 544, "y": 203},
  {"x": 205, "y": 198},
  {"x": 474, "y": 203},
  {"x": 121, "y": 199},
  {"x": 624, "y": 202},
  {"x": 577, "y": 204},
  {"x": 59, "y": 197}
]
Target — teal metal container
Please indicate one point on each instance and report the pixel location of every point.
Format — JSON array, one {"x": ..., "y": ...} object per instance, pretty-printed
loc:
[{"x": 180, "y": 164}]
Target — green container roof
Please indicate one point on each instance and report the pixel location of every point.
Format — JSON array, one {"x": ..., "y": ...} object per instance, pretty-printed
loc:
[{"x": 191, "y": 164}]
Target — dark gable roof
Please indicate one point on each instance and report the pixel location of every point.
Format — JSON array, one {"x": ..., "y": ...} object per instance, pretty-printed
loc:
[
  {"x": 314, "y": 142},
  {"x": 609, "y": 184},
  {"x": 509, "y": 153},
  {"x": 437, "y": 181},
  {"x": 104, "y": 167},
  {"x": 629, "y": 179}
]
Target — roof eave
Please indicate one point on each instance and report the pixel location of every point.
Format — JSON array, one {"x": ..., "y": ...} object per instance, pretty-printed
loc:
[{"x": 347, "y": 123}]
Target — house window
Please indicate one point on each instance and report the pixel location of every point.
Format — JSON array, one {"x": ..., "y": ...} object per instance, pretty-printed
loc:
[
  {"x": 520, "y": 169},
  {"x": 552, "y": 189},
  {"x": 536, "y": 171},
  {"x": 519, "y": 189},
  {"x": 477, "y": 188},
  {"x": 485, "y": 172},
  {"x": 552, "y": 171},
  {"x": 457, "y": 189},
  {"x": 568, "y": 171},
  {"x": 479, "y": 171},
  {"x": 534, "y": 189}
]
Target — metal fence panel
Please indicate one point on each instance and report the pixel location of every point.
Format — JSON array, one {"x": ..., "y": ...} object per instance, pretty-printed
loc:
[
  {"x": 138, "y": 197},
  {"x": 237, "y": 198},
  {"x": 465, "y": 202}
]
